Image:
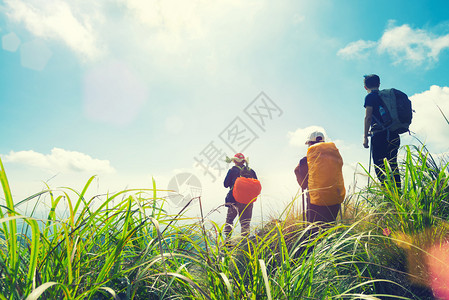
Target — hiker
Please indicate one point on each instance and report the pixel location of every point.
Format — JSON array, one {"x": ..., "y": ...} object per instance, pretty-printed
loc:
[
  {"x": 384, "y": 142},
  {"x": 243, "y": 210},
  {"x": 319, "y": 172}
]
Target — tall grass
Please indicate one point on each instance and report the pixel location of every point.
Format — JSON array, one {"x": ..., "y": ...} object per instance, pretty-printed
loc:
[
  {"x": 129, "y": 247},
  {"x": 114, "y": 249},
  {"x": 423, "y": 200},
  {"x": 415, "y": 217}
]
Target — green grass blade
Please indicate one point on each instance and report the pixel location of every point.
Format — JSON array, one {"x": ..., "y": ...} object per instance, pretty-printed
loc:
[
  {"x": 36, "y": 195},
  {"x": 189, "y": 281},
  {"x": 263, "y": 268},
  {"x": 81, "y": 195},
  {"x": 115, "y": 254},
  {"x": 34, "y": 251},
  {"x": 42, "y": 288},
  {"x": 69, "y": 255},
  {"x": 228, "y": 284},
  {"x": 154, "y": 198},
  {"x": 110, "y": 291},
  {"x": 444, "y": 116},
  {"x": 12, "y": 234}
]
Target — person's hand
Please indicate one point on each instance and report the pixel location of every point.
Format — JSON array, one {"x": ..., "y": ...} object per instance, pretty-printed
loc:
[{"x": 365, "y": 142}]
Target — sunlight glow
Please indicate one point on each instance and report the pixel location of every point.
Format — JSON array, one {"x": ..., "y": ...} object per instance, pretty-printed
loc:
[{"x": 113, "y": 94}]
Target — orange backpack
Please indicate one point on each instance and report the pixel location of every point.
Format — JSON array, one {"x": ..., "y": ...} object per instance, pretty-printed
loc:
[
  {"x": 326, "y": 185},
  {"x": 246, "y": 190}
]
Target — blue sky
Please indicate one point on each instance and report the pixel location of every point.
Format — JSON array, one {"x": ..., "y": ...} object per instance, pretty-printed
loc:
[{"x": 131, "y": 90}]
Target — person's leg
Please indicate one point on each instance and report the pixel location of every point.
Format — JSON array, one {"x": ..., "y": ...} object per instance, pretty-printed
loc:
[
  {"x": 312, "y": 217},
  {"x": 309, "y": 213},
  {"x": 392, "y": 157},
  {"x": 232, "y": 213},
  {"x": 246, "y": 213},
  {"x": 332, "y": 212},
  {"x": 326, "y": 214},
  {"x": 379, "y": 145}
]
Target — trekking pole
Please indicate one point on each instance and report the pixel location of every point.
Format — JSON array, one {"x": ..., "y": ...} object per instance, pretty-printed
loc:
[
  {"x": 261, "y": 211},
  {"x": 370, "y": 155},
  {"x": 303, "y": 206}
]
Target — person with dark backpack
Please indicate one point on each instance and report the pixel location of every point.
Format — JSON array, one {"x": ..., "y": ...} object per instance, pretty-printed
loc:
[
  {"x": 244, "y": 187},
  {"x": 388, "y": 113}
]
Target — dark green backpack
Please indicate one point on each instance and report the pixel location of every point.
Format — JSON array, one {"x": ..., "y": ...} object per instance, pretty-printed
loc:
[
  {"x": 245, "y": 171},
  {"x": 396, "y": 111}
]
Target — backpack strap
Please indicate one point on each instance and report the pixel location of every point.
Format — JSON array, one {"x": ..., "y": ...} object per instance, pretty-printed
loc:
[
  {"x": 379, "y": 122},
  {"x": 244, "y": 167}
]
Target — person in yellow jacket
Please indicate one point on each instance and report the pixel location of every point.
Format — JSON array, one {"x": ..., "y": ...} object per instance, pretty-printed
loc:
[{"x": 325, "y": 203}]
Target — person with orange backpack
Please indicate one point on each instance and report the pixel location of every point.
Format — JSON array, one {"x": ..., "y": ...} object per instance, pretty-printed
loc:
[
  {"x": 320, "y": 174},
  {"x": 244, "y": 187}
]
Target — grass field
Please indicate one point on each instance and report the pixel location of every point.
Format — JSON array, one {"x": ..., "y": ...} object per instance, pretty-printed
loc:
[{"x": 388, "y": 244}]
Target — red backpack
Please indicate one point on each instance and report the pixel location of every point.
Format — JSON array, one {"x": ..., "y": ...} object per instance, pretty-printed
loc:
[{"x": 246, "y": 189}]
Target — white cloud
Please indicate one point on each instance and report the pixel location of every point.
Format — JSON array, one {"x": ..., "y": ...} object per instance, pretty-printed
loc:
[
  {"x": 171, "y": 16},
  {"x": 56, "y": 19},
  {"x": 358, "y": 49},
  {"x": 403, "y": 44},
  {"x": 181, "y": 34},
  {"x": 59, "y": 160},
  {"x": 169, "y": 33},
  {"x": 415, "y": 46},
  {"x": 428, "y": 122}
]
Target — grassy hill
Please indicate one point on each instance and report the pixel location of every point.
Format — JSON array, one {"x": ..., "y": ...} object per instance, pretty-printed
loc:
[{"x": 387, "y": 244}]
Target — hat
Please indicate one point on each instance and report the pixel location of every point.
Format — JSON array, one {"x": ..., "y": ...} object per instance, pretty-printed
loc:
[
  {"x": 238, "y": 158},
  {"x": 316, "y": 136}
]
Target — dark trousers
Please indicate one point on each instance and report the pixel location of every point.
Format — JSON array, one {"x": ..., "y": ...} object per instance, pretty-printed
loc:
[
  {"x": 386, "y": 144},
  {"x": 244, "y": 211},
  {"x": 324, "y": 214}
]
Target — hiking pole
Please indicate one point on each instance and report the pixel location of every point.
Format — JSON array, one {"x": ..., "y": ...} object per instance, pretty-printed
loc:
[
  {"x": 303, "y": 206},
  {"x": 261, "y": 212},
  {"x": 370, "y": 155}
]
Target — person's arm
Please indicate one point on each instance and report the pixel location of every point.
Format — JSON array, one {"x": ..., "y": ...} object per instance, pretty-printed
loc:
[
  {"x": 228, "y": 179},
  {"x": 368, "y": 118},
  {"x": 297, "y": 175},
  {"x": 254, "y": 174},
  {"x": 301, "y": 172}
]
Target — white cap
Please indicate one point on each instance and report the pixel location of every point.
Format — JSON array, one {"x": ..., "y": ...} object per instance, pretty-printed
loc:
[{"x": 315, "y": 136}]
